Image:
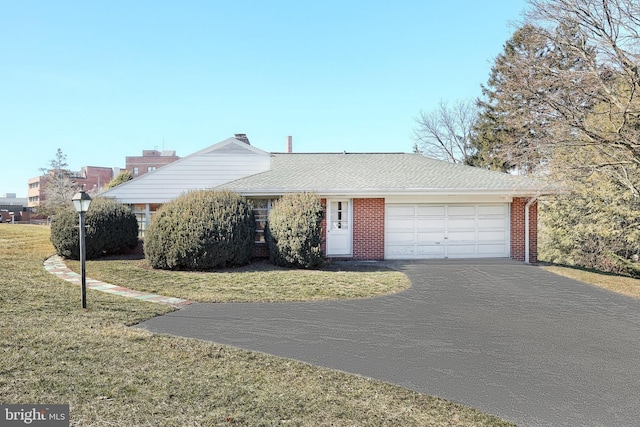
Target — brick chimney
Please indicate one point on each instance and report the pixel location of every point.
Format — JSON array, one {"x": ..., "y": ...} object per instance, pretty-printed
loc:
[
  {"x": 242, "y": 137},
  {"x": 289, "y": 144}
]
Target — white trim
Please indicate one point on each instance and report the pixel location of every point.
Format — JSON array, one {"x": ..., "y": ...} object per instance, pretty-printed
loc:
[
  {"x": 447, "y": 199},
  {"x": 526, "y": 228},
  {"x": 147, "y": 215}
]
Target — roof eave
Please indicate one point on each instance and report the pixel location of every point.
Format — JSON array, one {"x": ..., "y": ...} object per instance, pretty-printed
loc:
[{"x": 511, "y": 192}]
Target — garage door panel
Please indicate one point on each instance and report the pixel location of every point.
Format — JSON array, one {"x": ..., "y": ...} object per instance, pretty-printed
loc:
[
  {"x": 491, "y": 250},
  {"x": 461, "y": 224},
  {"x": 406, "y": 251},
  {"x": 461, "y": 211},
  {"x": 426, "y": 224},
  {"x": 443, "y": 231},
  {"x": 461, "y": 236},
  {"x": 433, "y": 251},
  {"x": 492, "y": 236},
  {"x": 436, "y": 236},
  {"x": 423, "y": 210},
  {"x": 400, "y": 224},
  {"x": 499, "y": 210},
  {"x": 461, "y": 251},
  {"x": 491, "y": 223},
  {"x": 401, "y": 210},
  {"x": 402, "y": 238}
]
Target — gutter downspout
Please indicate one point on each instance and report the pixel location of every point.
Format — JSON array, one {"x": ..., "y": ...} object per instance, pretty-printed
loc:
[{"x": 526, "y": 227}]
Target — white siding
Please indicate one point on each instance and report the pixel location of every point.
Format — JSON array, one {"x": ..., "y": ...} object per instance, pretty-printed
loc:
[{"x": 216, "y": 165}]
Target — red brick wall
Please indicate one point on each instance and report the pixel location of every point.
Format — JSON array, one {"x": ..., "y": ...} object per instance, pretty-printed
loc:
[
  {"x": 261, "y": 250},
  {"x": 94, "y": 177},
  {"x": 368, "y": 229},
  {"x": 518, "y": 230},
  {"x": 150, "y": 158}
]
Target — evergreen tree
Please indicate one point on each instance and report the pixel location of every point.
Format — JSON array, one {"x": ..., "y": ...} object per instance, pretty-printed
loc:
[
  {"x": 592, "y": 94},
  {"x": 562, "y": 101},
  {"x": 122, "y": 177},
  {"x": 595, "y": 224},
  {"x": 514, "y": 124}
]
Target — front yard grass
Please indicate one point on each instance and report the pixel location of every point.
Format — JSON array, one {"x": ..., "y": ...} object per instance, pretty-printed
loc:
[
  {"x": 52, "y": 351},
  {"x": 257, "y": 282},
  {"x": 620, "y": 284}
]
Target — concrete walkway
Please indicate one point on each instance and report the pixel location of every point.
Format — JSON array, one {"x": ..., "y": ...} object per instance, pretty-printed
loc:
[
  {"x": 501, "y": 336},
  {"x": 55, "y": 265}
]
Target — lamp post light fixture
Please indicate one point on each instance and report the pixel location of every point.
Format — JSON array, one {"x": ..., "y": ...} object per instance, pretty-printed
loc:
[{"x": 81, "y": 202}]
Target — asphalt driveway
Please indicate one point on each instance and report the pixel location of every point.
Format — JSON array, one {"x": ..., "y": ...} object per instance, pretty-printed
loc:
[{"x": 498, "y": 335}]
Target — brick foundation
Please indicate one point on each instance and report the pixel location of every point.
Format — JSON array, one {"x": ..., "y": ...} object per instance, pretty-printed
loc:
[{"x": 261, "y": 250}]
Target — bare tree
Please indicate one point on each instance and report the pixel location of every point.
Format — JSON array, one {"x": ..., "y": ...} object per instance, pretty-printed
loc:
[
  {"x": 445, "y": 133},
  {"x": 60, "y": 185},
  {"x": 598, "y": 103},
  {"x": 58, "y": 193}
]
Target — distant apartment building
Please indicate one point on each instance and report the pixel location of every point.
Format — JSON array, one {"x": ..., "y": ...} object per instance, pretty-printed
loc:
[
  {"x": 35, "y": 193},
  {"x": 92, "y": 177},
  {"x": 149, "y": 161}
]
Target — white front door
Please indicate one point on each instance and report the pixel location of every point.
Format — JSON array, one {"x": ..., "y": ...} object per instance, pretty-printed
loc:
[{"x": 338, "y": 227}]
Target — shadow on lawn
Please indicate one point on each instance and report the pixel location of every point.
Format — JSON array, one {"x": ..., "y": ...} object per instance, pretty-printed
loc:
[{"x": 261, "y": 265}]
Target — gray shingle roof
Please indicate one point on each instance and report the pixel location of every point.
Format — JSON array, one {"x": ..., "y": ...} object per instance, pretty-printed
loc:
[{"x": 383, "y": 173}]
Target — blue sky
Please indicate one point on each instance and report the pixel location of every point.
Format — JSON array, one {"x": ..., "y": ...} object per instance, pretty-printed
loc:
[{"x": 102, "y": 80}]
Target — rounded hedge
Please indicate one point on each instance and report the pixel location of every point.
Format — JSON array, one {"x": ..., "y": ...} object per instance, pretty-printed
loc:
[
  {"x": 201, "y": 230},
  {"x": 294, "y": 231},
  {"x": 111, "y": 228}
]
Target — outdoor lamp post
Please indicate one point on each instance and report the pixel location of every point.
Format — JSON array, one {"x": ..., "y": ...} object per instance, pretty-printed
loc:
[{"x": 81, "y": 202}]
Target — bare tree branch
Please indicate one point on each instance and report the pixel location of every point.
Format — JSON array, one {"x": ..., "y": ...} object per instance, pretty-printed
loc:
[{"x": 445, "y": 133}]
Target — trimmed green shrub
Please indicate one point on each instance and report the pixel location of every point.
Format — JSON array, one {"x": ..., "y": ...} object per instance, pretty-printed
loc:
[
  {"x": 111, "y": 228},
  {"x": 294, "y": 231},
  {"x": 201, "y": 230}
]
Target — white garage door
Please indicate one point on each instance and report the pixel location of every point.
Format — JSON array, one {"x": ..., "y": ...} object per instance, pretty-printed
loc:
[{"x": 446, "y": 231}]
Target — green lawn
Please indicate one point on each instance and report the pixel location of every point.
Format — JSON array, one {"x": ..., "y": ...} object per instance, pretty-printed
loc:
[{"x": 52, "y": 351}]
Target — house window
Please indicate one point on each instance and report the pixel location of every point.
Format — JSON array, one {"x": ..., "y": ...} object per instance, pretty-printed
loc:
[
  {"x": 151, "y": 168},
  {"x": 136, "y": 171},
  {"x": 261, "y": 208},
  {"x": 144, "y": 213},
  {"x": 339, "y": 215}
]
